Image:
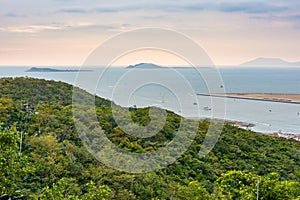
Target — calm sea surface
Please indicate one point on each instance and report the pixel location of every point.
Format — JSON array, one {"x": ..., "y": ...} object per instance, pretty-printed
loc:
[{"x": 177, "y": 89}]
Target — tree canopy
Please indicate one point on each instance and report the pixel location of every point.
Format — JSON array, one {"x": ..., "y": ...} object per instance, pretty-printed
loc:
[{"x": 42, "y": 156}]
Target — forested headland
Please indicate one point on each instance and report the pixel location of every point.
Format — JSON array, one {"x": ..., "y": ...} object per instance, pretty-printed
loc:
[{"x": 42, "y": 156}]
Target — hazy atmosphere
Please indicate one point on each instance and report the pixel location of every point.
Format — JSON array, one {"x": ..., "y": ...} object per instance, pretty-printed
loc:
[
  {"x": 64, "y": 32},
  {"x": 127, "y": 99}
]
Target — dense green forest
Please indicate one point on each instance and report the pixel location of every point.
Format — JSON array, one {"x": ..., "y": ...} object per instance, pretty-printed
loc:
[{"x": 42, "y": 156}]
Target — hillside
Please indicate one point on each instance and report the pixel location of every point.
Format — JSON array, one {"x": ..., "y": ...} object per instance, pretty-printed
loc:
[
  {"x": 45, "y": 69},
  {"x": 270, "y": 62},
  {"x": 144, "y": 66},
  {"x": 50, "y": 162}
]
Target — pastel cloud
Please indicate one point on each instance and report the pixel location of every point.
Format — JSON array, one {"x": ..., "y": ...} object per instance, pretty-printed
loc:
[
  {"x": 30, "y": 28},
  {"x": 247, "y": 7},
  {"x": 251, "y": 7},
  {"x": 247, "y": 28}
]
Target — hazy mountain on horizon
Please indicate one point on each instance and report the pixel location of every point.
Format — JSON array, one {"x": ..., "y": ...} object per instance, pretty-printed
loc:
[
  {"x": 270, "y": 62},
  {"x": 144, "y": 66}
]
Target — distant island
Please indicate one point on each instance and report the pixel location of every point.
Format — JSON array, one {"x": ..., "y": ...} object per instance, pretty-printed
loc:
[
  {"x": 38, "y": 69},
  {"x": 270, "y": 62},
  {"x": 144, "y": 66}
]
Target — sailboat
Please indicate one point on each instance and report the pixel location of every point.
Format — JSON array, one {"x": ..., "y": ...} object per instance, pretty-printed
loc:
[{"x": 206, "y": 108}]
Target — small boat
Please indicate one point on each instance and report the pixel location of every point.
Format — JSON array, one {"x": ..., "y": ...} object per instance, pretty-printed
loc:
[
  {"x": 195, "y": 103},
  {"x": 162, "y": 99},
  {"x": 206, "y": 108}
]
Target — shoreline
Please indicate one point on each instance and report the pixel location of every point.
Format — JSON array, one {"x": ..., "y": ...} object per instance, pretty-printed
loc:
[
  {"x": 247, "y": 125},
  {"x": 271, "y": 97}
]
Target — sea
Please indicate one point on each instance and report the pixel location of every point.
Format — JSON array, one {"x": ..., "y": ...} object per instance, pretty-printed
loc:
[{"x": 181, "y": 89}]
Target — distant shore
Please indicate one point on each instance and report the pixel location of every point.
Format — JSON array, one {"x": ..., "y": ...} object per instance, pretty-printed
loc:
[
  {"x": 274, "y": 97},
  {"x": 271, "y": 97},
  {"x": 43, "y": 69}
]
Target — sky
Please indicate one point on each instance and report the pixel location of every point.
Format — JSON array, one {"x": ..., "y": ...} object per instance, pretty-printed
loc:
[{"x": 65, "y": 32}]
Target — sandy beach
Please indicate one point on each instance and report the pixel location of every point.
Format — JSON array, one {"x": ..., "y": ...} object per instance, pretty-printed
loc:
[
  {"x": 272, "y": 97},
  {"x": 284, "y": 98},
  {"x": 293, "y": 98}
]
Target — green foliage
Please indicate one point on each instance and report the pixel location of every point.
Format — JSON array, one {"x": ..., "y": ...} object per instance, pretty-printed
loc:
[
  {"x": 241, "y": 185},
  {"x": 14, "y": 166},
  {"x": 25, "y": 90},
  {"x": 68, "y": 189},
  {"x": 194, "y": 190},
  {"x": 54, "y": 164},
  {"x": 94, "y": 193},
  {"x": 272, "y": 188},
  {"x": 64, "y": 189}
]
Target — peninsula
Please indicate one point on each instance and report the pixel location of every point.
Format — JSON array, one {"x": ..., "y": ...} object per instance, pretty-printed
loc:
[
  {"x": 38, "y": 69},
  {"x": 283, "y": 98},
  {"x": 144, "y": 66}
]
